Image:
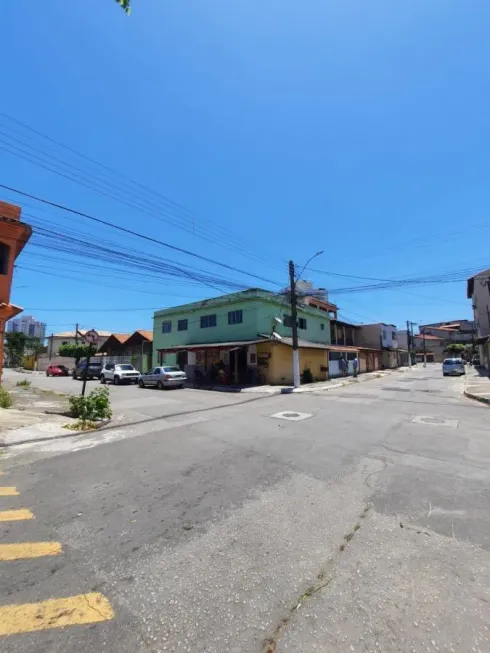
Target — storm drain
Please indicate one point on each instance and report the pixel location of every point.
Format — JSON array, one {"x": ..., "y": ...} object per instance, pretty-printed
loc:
[
  {"x": 292, "y": 417},
  {"x": 394, "y": 389},
  {"x": 436, "y": 421}
]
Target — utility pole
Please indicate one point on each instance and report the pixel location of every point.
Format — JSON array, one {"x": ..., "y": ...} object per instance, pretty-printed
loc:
[
  {"x": 425, "y": 353},
  {"x": 76, "y": 333},
  {"x": 409, "y": 345},
  {"x": 294, "y": 319}
]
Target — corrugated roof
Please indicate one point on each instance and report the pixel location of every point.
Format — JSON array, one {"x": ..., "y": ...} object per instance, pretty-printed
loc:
[
  {"x": 120, "y": 337},
  {"x": 146, "y": 334}
]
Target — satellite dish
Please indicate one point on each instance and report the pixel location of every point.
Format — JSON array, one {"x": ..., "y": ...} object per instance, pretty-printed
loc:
[
  {"x": 278, "y": 320},
  {"x": 276, "y": 336}
]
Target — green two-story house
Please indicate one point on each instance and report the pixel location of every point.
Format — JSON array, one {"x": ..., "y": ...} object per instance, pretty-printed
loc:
[{"x": 237, "y": 332}]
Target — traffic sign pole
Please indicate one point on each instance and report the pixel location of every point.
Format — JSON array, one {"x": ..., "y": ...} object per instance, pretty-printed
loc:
[{"x": 91, "y": 339}]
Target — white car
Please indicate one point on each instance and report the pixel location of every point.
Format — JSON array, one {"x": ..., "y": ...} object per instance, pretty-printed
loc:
[
  {"x": 453, "y": 366},
  {"x": 119, "y": 373},
  {"x": 163, "y": 377}
]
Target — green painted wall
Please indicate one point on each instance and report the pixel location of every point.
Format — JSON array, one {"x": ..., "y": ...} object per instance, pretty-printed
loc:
[{"x": 259, "y": 309}]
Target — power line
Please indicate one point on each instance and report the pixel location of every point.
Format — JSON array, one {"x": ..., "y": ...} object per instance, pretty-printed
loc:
[
  {"x": 138, "y": 235},
  {"x": 112, "y": 183}
]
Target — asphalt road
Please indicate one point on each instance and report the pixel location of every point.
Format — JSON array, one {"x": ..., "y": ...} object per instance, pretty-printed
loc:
[{"x": 358, "y": 524}]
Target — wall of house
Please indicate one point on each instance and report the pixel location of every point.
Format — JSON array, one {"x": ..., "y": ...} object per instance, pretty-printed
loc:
[{"x": 275, "y": 361}]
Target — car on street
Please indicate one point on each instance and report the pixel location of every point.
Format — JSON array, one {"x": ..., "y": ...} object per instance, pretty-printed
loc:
[
  {"x": 453, "y": 367},
  {"x": 163, "y": 377},
  {"x": 119, "y": 373},
  {"x": 93, "y": 370},
  {"x": 57, "y": 370}
]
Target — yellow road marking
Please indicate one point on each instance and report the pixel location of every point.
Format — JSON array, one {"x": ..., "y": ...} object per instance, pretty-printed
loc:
[
  {"x": 22, "y": 550},
  {"x": 15, "y": 515},
  {"x": 55, "y": 613},
  {"x": 8, "y": 492}
]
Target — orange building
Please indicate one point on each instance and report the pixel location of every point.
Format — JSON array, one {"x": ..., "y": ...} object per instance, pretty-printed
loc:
[{"x": 14, "y": 234}]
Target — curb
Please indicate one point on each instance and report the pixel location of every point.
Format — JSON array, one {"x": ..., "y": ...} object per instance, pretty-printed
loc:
[{"x": 482, "y": 400}]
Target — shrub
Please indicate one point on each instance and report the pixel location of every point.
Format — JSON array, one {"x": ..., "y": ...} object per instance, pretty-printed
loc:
[
  {"x": 93, "y": 407},
  {"x": 5, "y": 398},
  {"x": 307, "y": 375},
  {"x": 23, "y": 384}
]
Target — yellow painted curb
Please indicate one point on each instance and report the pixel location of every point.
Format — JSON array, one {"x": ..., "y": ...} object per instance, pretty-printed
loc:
[
  {"x": 22, "y": 550},
  {"x": 8, "y": 492},
  {"x": 55, "y": 613},
  {"x": 15, "y": 515}
]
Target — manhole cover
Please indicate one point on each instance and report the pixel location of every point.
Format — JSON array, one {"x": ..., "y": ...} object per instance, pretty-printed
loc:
[
  {"x": 436, "y": 421},
  {"x": 292, "y": 417}
]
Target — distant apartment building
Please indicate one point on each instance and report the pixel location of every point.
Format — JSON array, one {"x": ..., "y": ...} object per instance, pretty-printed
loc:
[
  {"x": 455, "y": 331},
  {"x": 29, "y": 326}
]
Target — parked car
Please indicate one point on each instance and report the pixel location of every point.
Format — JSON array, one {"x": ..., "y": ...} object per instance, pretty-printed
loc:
[
  {"x": 453, "y": 366},
  {"x": 163, "y": 377},
  {"x": 119, "y": 373},
  {"x": 57, "y": 370},
  {"x": 93, "y": 370}
]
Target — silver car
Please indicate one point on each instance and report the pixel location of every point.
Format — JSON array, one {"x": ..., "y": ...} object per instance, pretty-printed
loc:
[
  {"x": 453, "y": 366},
  {"x": 163, "y": 377}
]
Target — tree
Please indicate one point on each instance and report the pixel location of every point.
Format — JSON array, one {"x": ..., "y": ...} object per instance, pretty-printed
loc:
[
  {"x": 76, "y": 351},
  {"x": 126, "y": 5},
  {"x": 15, "y": 345},
  {"x": 455, "y": 349}
]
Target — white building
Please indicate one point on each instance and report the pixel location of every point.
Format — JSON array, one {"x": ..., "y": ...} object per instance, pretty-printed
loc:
[
  {"x": 28, "y": 326},
  {"x": 55, "y": 340},
  {"x": 478, "y": 290}
]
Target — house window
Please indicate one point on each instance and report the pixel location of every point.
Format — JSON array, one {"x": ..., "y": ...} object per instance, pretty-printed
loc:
[
  {"x": 166, "y": 327},
  {"x": 235, "y": 317},
  {"x": 302, "y": 323},
  {"x": 4, "y": 258},
  {"x": 322, "y": 326},
  {"x": 393, "y": 335},
  {"x": 288, "y": 321},
  {"x": 182, "y": 325},
  {"x": 208, "y": 321}
]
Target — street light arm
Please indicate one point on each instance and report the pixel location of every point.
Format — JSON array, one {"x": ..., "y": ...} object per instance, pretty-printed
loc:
[{"x": 308, "y": 262}]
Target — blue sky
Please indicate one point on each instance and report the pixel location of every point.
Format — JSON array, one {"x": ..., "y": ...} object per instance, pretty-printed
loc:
[{"x": 358, "y": 128}]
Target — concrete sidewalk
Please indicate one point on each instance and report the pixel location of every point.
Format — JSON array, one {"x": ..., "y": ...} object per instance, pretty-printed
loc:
[
  {"x": 476, "y": 386},
  {"x": 309, "y": 387}
]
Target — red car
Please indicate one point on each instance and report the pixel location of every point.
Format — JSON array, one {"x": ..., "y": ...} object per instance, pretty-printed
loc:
[{"x": 57, "y": 370}]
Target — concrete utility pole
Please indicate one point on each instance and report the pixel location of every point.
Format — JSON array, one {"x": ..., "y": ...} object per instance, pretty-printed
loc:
[
  {"x": 409, "y": 345},
  {"x": 294, "y": 319},
  {"x": 425, "y": 354}
]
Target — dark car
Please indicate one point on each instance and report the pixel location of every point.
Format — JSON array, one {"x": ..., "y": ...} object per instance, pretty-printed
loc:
[{"x": 93, "y": 371}]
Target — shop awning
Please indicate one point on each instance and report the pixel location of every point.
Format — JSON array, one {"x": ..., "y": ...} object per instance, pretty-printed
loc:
[
  {"x": 482, "y": 340},
  {"x": 221, "y": 346}
]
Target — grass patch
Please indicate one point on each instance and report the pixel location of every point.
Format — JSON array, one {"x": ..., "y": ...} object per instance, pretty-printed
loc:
[
  {"x": 23, "y": 384},
  {"x": 82, "y": 425},
  {"x": 5, "y": 398}
]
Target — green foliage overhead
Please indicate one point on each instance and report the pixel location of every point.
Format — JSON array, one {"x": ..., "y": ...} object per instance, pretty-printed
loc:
[
  {"x": 126, "y": 5},
  {"x": 76, "y": 351},
  {"x": 455, "y": 348}
]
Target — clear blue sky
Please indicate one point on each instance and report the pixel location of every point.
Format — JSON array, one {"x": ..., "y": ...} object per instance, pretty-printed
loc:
[{"x": 360, "y": 128}]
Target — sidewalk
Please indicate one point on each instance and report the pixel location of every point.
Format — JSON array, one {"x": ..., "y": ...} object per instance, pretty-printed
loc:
[
  {"x": 477, "y": 386},
  {"x": 309, "y": 387}
]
